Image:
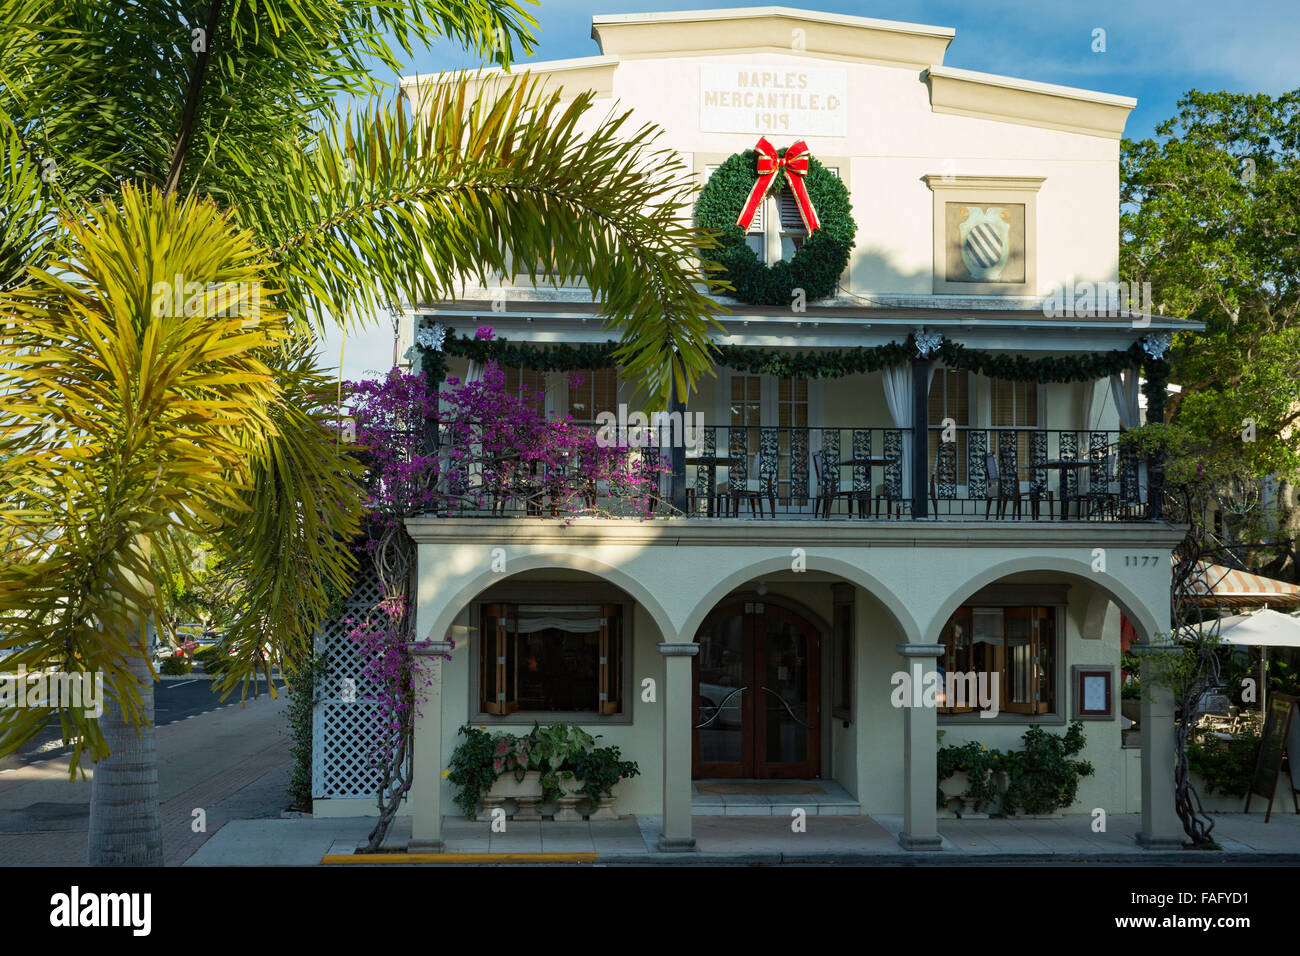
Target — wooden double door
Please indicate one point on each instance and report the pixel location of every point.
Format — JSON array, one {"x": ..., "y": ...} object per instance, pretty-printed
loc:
[{"x": 757, "y": 694}]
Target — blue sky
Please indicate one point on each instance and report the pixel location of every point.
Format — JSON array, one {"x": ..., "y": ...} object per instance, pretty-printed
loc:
[{"x": 1155, "y": 51}]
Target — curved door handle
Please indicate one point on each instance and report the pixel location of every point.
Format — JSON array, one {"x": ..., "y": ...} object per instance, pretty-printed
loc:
[
  {"x": 787, "y": 708},
  {"x": 718, "y": 709}
]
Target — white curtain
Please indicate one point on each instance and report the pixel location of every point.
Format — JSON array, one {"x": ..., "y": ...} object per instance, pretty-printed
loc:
[
  {"x": 1124, "y": 389},
  {"x": 898, "y": 396},
  {"x": 576, "y": 620},
  {"x": 1089, "y": 390}
]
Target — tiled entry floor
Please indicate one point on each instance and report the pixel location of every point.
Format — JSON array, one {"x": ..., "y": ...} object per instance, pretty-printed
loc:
[{"x": 770, "y": 798}]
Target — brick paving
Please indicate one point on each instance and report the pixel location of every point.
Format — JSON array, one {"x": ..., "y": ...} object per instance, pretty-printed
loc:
[{"x": 232, "y": 763}]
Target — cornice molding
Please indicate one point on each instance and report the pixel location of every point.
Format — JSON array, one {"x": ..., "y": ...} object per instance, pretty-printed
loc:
[{"x": 1045, "y": 536}]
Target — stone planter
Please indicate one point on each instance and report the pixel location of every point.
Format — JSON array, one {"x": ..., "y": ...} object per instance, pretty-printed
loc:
[
  {"x": 970, "y": 810},
  {"x": 567, "y": 804},
  {"x": 604, "y": 809},
  {"x": 526, "y": 793}
]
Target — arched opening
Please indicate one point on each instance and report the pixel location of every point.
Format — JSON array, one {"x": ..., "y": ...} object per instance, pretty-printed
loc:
[{"x": 780, "y": 684}]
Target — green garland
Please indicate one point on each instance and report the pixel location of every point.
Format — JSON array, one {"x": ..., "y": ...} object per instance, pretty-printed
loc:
[
  {"x": 818, "y": 264},
  {"x": 827, "y": 363}
]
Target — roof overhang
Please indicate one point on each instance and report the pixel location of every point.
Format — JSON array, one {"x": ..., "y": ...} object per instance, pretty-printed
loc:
[
  {"x": 771, "y": 29},
  {"x": 818, "y": 326},
  {"x": 1006, "y": 99}
]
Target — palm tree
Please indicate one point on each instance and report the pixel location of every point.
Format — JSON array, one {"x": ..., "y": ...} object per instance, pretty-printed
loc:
[{"x": 145, "y": 141}]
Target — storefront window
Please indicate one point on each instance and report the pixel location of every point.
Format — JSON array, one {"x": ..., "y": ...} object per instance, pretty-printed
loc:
[
  {"x": 1015, "y": 644},
  {"x": 551, "y": 659}
]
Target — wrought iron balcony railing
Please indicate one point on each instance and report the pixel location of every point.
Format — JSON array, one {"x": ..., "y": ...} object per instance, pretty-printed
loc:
[{"x": 809, "y": 472}]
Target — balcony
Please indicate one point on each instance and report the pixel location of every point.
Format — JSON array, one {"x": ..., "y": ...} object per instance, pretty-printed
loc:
[{"x": 810, "y": 473}]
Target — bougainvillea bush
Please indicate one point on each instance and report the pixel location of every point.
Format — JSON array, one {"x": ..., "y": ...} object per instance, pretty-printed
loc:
[{"x": 493, "y": 448}]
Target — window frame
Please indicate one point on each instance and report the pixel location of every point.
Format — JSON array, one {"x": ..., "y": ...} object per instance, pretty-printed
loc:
[
  {"x": 515, "y": 717},
  {"x": 1055, "y": 714}
]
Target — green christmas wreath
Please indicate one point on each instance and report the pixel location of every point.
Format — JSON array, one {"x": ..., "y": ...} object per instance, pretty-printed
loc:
[{"x": 820, "y": 261}]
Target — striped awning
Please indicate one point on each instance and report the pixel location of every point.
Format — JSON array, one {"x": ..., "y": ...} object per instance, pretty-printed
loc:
[{"x": 1232, "y": 588}]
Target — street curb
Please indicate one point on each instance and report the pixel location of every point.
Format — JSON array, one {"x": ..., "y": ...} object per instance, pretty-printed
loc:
[
  {"x": 845, "y": 857},
  {"x": 408, "y": 859}
]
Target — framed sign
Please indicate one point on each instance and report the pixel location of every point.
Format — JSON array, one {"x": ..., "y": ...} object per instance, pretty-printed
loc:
[
  {"x": 1273, "y": 743},
  {"x": 1094, "y": 692},
  {"x": 985, "y": 234}
]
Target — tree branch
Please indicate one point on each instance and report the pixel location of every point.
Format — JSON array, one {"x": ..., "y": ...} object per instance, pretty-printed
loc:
[{"x": 193, "y": 93}]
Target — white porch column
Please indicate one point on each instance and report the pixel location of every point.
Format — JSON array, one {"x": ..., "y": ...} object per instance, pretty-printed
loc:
[
  {"x": 920, "y": 768},
  {"x": 426, "y": 819},
  {"x": 677, "y": 698},
  {"x": 1161, "y": 828}
]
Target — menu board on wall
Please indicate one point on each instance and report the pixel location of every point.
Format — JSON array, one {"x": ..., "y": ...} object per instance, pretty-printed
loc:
[{"x": 802, "y": 101}]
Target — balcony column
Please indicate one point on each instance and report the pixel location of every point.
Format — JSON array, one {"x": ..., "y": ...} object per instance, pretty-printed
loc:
[
  {"x": 920, "y": 757},
  {"x": 426, "y": 817},
  {"x": 678, "y": 701},
  {"x": 1161, "y": 828},
  {"x": 920, "y": 436},
  {"x": 677, "y": 453}
]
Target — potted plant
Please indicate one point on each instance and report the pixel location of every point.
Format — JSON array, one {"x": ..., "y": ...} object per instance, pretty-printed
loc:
[
  {"x": 1043, "y": 778},
  {"x": 557, "y": 749},
  {"x": 519, "y": 776},
  {"x": 471, "y": 769},
  {"x": 490, "y": 769},
  {"x": 600, "y": 769},
  {"x": 978, "y": 764}
]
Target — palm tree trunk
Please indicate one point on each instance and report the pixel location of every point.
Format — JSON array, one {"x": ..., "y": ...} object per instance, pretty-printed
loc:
[{"x": 125, "y": 827}]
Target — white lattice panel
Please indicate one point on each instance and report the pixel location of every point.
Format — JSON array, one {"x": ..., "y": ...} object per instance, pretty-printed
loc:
[{"x": 345, "y": 707}]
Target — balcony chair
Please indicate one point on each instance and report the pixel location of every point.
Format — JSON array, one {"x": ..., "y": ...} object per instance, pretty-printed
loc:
[
  {"x": 1102, "y": 493},
  {"x": 943, "y": 476},
  {"x": 826, "y": 467},
  {"x": 759, "y": 483}
]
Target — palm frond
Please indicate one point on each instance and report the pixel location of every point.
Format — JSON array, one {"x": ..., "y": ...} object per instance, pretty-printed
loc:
[
  {"x": 292, "y": 539},
  {"x": 120, "y": 422},
  {"x": 386, "y": 209}
]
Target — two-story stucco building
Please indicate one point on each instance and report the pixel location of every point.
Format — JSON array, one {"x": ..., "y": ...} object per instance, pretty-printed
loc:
[{"x": 834, "y": 530}]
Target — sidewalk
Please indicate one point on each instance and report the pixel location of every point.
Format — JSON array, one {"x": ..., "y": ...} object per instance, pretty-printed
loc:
[
  {"x": 233, "y": 763},
  {"x": 752, "y": 840}
]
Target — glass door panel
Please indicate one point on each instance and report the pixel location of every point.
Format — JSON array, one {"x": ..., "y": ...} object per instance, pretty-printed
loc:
[
  {"x": 723, "y": 697},
  {"x": 788, "y": 710}
]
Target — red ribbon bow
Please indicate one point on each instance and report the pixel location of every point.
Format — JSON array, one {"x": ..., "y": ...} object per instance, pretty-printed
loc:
[{"x": 795, "y": 163}]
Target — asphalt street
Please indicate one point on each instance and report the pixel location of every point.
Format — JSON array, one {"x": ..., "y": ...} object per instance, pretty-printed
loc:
[{"x": 173, "y": 701}]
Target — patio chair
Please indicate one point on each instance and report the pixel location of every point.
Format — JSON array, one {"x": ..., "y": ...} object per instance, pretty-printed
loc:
[
  {"x": 890, "y": 491},
  {"x": 759, "y": 483},
  {"x": 826, "y": 466},
  {"x": 943, "y": 476},
  {"x": 1101, "y": 495},
  {"x": 1004, "y": 476}
]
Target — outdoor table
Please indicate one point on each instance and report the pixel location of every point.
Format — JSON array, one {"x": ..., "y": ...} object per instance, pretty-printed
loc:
[
  {"x": 1062, "y": 465},
  {"x": 710, "y": 465},
  {"x": 869, "y": 462}
]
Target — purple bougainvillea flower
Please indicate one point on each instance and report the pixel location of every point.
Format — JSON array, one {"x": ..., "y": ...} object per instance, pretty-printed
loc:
[{"x": 485, "y": 333}]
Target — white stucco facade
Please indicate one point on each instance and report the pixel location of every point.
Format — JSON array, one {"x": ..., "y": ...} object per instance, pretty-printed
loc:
[{"x": 912, "y": 127}]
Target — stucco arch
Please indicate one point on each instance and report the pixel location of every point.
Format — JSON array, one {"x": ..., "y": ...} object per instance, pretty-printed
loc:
[
  {"x": 849, "y": 572},
  {"x": 533, "y": 562},
  {"x": 1144, "y": 622}
]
